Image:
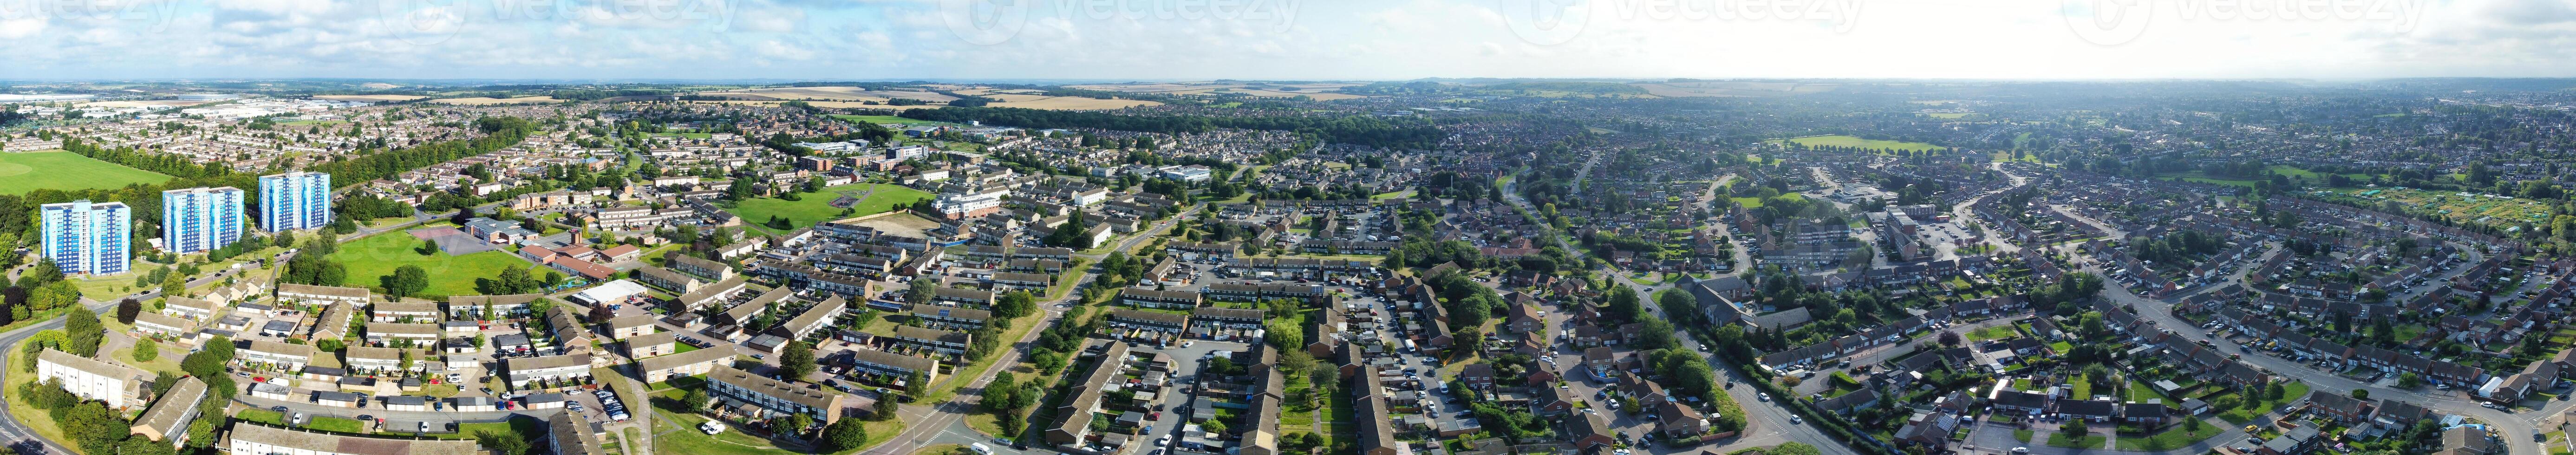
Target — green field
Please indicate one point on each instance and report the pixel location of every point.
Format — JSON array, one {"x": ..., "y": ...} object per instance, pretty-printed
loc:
[
  {"x": 2475, "y": 208},
  {"x": 817, "y": 207},
  {"x": 1854, "y": 141},
  {"x": 1947, "y": 115},
  {"x": 685, "y": 135},
  {"x": 884, "y": 119},
  {"x": 372, "y": 258},
  {"x": 66, "y": 171}
]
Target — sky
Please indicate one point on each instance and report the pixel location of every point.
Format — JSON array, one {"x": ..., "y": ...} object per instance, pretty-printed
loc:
[{"x": 1283, "y": 39}]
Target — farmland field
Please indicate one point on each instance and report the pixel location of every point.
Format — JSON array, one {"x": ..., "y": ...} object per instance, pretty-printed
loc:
[
  {"x": 368, "y": 97},
  {"x": 370, "y": 259},
  {"x": 1851, "y": 141},
  {"x": 487, "y": 101},
  {"x": 817, "y": 207},
  {"x": 1068, "y": 102},
  {"x": 66, "y": 171},
  {"x": 2471, "y": 207},
  {"x": 884, "y": 119}
]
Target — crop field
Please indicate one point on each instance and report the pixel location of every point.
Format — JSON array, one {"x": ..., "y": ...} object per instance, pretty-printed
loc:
[
  {"x": 488, "y": 101},
  {"x": 66, "y": 171},
  {"x": 368, "y": 97},
  {"x": 1852, "y": 141},
  {"x": 1317, "y": 95},
  {"x": 2470, "y": 207},
  {"x": 1068, "y": 103},
  {"x": 809, "y": 93}
]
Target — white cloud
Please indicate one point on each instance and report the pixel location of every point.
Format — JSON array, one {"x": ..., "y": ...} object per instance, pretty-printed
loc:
[{"x": 1395, "y": 39}]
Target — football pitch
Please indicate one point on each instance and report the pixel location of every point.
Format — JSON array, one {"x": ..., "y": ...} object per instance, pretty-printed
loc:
[{"x": 29, "y": 171}]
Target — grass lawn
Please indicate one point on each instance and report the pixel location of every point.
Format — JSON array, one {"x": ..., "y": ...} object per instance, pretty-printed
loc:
[
  {"x": 2088, "y": 441},
  {"x": 37, "y": 419},
  {"x": 2082, "y": 387},
  {"x": 261, "y": 416},
  {"x": 884, "y": 119},
  {"x": 372, "y": 258},
  {"x": 336, "y": 424},
  {"x": 2023, "y": 435},
  {"x": 2061, "y": 346},
  {"x": 2174, "y": 437},
  {"x": 817, "y": 207},
  {"x": 1991, "y": 333},
  {"x": 66, "y": 171},
  {"x": 677, "y": 348},
  {"x": 941, "y": 449},
  {"x": 690, "y": 441},
  {"x": 1854, "y": 141},
  {"x": 2141, "y": 392},
  {"x": 167, "y": 361},
  {"x": 2021, "y": 384},
  {"x": 947, "y": 387}
]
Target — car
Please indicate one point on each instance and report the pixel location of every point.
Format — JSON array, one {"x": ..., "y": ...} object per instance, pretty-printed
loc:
[
  {"x": 1794, "y": 420},
  {"x": 1763, "y": 397},
  {"x": 367, "y": 418},
  {"x": 2021, "y": 450},
  {"x": 1163, "y": 441},
  {"x": 573, "y": 405}
]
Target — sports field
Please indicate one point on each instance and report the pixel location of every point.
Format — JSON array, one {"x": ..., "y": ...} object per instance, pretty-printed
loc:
[
  {"x": 1854, "y": 141},
  {"x": 817, "y": 207},
  {"x": 24, "y": 172},
  {"x": 372, "y": 258}
]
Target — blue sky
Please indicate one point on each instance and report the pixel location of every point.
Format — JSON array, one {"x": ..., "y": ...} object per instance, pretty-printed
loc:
[{"x": 1282, "y": 39}]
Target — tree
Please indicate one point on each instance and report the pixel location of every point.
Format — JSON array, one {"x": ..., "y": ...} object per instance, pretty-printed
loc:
[
  {"x": 997, "y": 393},
  {"x": 2361, "y": 394},
  {"x": 916, "y": 386},
  {"x": 843, "y": 435},
  {"x": 83, "y": 332},
  {"x": 695, "y": 400},
  {"x": 1678, "y": 305},
  {"x": 797, "y": 360},
  {"x": 885, "y": 409},
  {"x": 126, "y": 309},
  {"x": 147, "y": 350},
  {"x": 502, "y": 443},
  {"x": 1655, "y": 334},
  {"x": 173, "y": 285},
  {"x": 2409, "y": 380},
  {"x": 407, "y": 281},
  {"x": 1623, "y": 303},
  {"x": 1951, "y": 338}
]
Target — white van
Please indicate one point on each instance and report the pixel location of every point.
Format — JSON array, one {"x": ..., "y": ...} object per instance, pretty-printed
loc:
[{"x": 982, "y": 449}]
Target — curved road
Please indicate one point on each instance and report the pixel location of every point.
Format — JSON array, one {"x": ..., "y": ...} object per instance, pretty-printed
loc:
[{"x": 16, "y": 432}]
